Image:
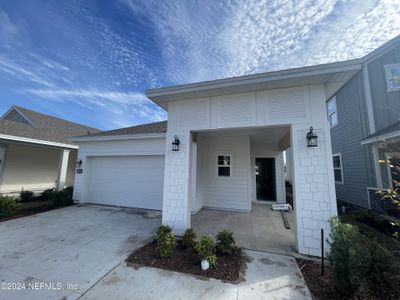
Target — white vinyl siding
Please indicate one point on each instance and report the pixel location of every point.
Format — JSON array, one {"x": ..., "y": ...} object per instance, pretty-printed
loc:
[
  {"x": 222, "y": 192},
  {"x": 332, "y": 112},
  {"x": 338, "y": 168},
  {"x": 32, "y": 168}
]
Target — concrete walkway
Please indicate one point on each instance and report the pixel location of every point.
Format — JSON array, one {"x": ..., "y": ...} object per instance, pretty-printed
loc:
[
  {"x": 268, "y": 276},
  {"x": 261, "y": 230}
]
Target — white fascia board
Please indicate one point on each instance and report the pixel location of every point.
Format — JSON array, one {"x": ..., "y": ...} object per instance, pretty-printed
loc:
[
  {"x": 118, "y": 137},
  {"x": 351, "y": 65},
  {"x": 36, "y": 141},
  {"x": 381, "y": 138}
]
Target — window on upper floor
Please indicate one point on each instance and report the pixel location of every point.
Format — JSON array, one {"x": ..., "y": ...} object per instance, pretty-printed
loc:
[
  {"x": 337, "y": 167},
  {"x": 392, "y": 77},
  {"x": 224, "y": 165},
  {"x": 332, "y": 112}
]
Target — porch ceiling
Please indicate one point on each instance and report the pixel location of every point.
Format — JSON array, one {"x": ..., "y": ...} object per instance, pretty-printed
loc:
[{"x": 269, "y": 134}]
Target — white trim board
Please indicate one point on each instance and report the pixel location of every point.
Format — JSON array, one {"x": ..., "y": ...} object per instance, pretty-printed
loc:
[{"x": 36, "y": 141}]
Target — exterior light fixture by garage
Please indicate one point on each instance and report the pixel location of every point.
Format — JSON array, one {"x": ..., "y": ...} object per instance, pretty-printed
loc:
[
  {"x": 175, "y": 143},
  {"x": 79, "y": 163},
  {"x": 312, "y": 138}
]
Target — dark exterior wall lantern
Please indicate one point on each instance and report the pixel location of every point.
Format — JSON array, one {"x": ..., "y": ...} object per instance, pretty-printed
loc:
[
  {"x": 79, "y": 163},
  {"x": 175, "y": 143},
  {"x": 312, "y": 138}
]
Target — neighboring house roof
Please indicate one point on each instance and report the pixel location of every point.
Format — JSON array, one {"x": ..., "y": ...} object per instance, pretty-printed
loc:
[
  {"x": 150, "y": 130},
  {"x": 156, "y": 127},
  {"x": 390, "y": 132},
  {"x": 30, "y": 125}
]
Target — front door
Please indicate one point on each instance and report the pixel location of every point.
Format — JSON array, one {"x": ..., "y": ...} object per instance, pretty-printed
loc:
[{"x": 265, "y": 179}]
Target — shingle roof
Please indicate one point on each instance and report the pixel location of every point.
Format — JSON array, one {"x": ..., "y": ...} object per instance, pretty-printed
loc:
[
  {"x": 390, "y": 129},
  {"x": 45, "y": 127},
  {"x": 157, "y": 127}
]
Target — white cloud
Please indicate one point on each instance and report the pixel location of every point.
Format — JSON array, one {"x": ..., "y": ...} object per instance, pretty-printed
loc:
[
  {"x": 8, "y": 30},
  {"x": 213, "y": 39},
  {"x": 123, "y": 107}
]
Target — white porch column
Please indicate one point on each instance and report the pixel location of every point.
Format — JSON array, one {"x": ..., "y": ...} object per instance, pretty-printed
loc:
[
  {"x": 289, "y": 164},
  {"x": 314, "y": 187},
  {"x": 176, "y": 199},
  {"x": 62, "y": 169}
]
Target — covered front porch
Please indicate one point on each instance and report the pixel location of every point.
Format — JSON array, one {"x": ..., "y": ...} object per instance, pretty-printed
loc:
[
  {"x": 237, "y": 174},
  {"x": 262, "y": 229},
  {"x": 35, "y": 166}
]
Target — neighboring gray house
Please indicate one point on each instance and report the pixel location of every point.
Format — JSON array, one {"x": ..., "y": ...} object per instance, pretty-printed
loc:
[
  {"x": 364, "y": 116},
  {"x": 35, "y": 151}
]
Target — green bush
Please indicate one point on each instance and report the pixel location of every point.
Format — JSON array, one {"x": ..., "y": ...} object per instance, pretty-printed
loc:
[
  {"x": 188, "y": 239},
  {"x": 212, "y": 260},
  {"x": 205, "y": 248},
  {"x": 225, "y": 242},
  {"x": 348, "y": 257},
  {"x": 26, "y": 196},
  {"x": 62, "y": 198},
  {"x": 380, "y": 262},
  {"x": 46, "y": 194},
  {"x": 162, "y": 231},
  {"x": 8, "y": 206},
  {"x": 378, "y": 222},
  {"x": 165, "y": 241}
]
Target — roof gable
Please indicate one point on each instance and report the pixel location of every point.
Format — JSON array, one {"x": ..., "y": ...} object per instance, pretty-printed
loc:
[
  {"x": 28, "y": 124},
  {"x": 15, "y": 115}
]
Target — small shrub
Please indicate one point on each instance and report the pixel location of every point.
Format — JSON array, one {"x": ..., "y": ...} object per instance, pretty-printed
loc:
[
  {"x": 62, "y": 198},
  {"x": 378, "y": 222},
  {"x": 188, "y": 239},
  {"x": 205, "y": 248},
  {"x": 380, "y": 262},
  {"x": 8, "y": 206},
  {"x": 212, "y": 260},
  {"x": 348, "y": 257},
  {"x": 46, "y": 194},
  {"x": 165, "y": 241},
  {"x": 225, "y": 242},
  {"x": 162, "y": 231},
  {"x": 26, "y": 196}
]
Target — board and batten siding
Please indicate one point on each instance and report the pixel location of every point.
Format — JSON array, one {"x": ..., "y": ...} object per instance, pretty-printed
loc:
[
  {"x": 346, "y": 139},
  {"x": 386, "y": 105},
  {"x": 228, "y": 193},
  {"x": 150, "y": 146},
  {"x": 32, "y": 168}
]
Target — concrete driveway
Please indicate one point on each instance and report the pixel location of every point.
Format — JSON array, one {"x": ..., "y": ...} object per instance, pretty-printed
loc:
[{"x": 62, "y": 253}]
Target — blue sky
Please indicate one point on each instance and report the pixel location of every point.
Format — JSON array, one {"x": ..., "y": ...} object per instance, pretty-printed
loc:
[{"x": 91, "y": 61}]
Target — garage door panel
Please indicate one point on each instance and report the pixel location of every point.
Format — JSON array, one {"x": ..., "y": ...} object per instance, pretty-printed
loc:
[{"x": 132, "y": 181}]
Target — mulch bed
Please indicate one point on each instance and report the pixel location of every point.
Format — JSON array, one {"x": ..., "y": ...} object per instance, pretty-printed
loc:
[
  {"x": 28, "y": 209},
  {"x": 322, "y": 287},
  {"x": 187, "y": 261}
]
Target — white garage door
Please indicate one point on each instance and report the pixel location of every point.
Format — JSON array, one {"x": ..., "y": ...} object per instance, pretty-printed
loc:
[{"x": 132, "y": 181}]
